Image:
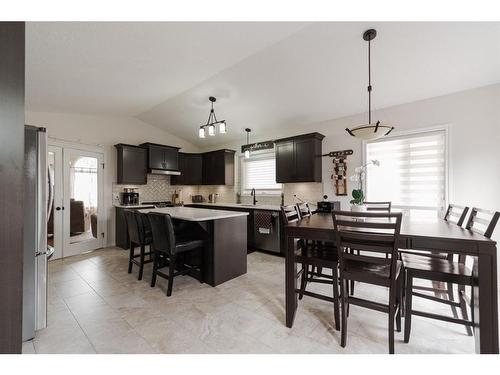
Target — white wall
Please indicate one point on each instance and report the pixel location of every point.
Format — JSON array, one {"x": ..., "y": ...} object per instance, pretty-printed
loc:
[
  {"x": 104, "y": 132},
  {"x": 474, "y": 120}
]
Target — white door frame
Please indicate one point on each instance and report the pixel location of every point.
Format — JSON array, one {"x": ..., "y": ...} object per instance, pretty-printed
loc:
[
  {"x": 103, "y": 215},
  {"x": 58, "y": 201}
]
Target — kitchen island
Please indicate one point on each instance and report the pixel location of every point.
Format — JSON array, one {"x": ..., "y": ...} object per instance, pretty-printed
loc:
[{"x": 225, "y": 232}]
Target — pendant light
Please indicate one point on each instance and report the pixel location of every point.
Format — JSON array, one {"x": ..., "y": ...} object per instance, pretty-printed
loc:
[
  {"x": 247, "y": 152},
  {"x": 370, "y": 131},
  {"x": 212, "y": 124}
]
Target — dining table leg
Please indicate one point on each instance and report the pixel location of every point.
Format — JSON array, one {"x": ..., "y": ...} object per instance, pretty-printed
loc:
[
  {"x": 485, "y": 298},
  {"x": 290, "y": 282}
]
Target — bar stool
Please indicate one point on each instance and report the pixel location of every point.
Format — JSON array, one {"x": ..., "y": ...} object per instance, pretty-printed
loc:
[
  {"x": 167, "y": 245},
  {"x": 139, "y": 233},
  {"x": 318, "y": 257},
  {"x": 447, "y": 271}
]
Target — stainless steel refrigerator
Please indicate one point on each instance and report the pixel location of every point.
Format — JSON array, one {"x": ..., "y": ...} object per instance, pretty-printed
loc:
[{"x": 37, "y": 202}]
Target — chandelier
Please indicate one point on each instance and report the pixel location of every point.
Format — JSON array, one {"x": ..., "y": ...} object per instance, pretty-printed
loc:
[
  {"x": 370, "y": 131},
  {"x": 212, "y": 124}
]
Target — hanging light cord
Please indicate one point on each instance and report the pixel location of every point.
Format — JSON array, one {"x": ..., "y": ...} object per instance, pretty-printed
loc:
[
  {"x": 369, "y": 84},
  {"x": 212, "y": 114}
]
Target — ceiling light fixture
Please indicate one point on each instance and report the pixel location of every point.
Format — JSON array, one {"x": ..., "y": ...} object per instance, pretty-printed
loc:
[
  {"x": 370, "y": 131},
  {"x": 247, "y": 152},
  {"x": 212, "y": 123}
]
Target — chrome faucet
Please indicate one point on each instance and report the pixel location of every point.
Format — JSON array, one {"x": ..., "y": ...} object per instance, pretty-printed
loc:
[{"x": 252, "y": 193}]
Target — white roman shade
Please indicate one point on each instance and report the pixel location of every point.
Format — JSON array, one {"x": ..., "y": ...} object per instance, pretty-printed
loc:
[
  {"x": 259, "y": 172},
  {"x": 412, "y": 172}
]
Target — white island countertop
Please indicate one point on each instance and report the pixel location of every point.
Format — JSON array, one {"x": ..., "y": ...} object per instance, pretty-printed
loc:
[
  {"x": 195, "y": 214},
  {"x": 264, "y": 207}
]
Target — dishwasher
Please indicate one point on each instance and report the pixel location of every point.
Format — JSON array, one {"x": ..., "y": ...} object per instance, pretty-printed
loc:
[{"x": 267, "y": 230}]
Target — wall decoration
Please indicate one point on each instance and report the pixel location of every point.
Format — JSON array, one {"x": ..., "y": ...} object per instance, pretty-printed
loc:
[{"x": 339, "y": 170}]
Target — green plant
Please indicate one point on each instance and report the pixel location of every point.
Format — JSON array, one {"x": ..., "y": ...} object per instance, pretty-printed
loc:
[{"x": 358, "y": 196}]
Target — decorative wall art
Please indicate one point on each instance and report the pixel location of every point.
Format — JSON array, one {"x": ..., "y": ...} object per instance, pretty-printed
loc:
[{"x": 339, "y": 170}]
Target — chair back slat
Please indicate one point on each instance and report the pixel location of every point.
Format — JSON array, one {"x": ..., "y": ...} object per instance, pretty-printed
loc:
[
  {"x": 482, "y": 221},
  {"x": 374, "y": 232},
  {"x": 290, "y": 214},
  {"x": 456, "y": 214},
  {"x": 163, "y": 232},
  {"x": 304, "y": 210},
  {"x": 378, "y": 206},
  {"x": 137, "y": 225}
]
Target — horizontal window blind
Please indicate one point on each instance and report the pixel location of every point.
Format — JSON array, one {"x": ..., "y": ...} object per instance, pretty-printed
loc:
[
  {"x": 260, "y": 173},
  {"x": 412, "y": 171}
]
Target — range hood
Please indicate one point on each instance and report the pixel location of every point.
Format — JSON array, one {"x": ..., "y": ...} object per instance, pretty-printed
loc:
[{"x": 164, "y": 171}]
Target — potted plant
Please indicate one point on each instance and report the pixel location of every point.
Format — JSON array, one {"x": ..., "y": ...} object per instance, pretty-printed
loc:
[{"x": 358, "y": 196}]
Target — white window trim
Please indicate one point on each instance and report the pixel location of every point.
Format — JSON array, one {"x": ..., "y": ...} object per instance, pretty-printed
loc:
[
  {"x": 246, "y": 192},
  {"x": 448, "y": 196}
]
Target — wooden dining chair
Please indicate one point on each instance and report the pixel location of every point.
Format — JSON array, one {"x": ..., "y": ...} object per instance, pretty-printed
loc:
[
  {"x": 318, "y": 257},
  {"x": 303, "y": 209},
  {"x": 139, "y": 233},
  {"x": 446, "y": 271},
  {"x": 374, "y": 233}
]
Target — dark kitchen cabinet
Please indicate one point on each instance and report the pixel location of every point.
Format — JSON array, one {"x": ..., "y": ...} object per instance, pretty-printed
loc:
[
  {"x": 191, "y": 168},
  {"x": 162, "y": 158},
  {"x": 298, "y": 159},
  {"x": 131, "y": 165},
  {"x": 218, "y": 168}
]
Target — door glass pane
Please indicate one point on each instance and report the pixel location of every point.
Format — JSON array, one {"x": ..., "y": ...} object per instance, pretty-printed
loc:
[
  {"x": 83, "y": 198},
  {"x": 50, "y": 194}
]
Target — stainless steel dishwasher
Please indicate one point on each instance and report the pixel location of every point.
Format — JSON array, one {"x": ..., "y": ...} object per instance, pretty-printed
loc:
[{"x": 266, "y": 230}]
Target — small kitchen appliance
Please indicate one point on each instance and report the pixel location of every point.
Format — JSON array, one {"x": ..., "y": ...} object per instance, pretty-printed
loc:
[
  {"x": 129, "y": 196},
  {"x": 328, "y": 206}
]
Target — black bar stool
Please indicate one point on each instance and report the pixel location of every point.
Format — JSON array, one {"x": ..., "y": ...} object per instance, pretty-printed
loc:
[
  {"x": 139, "y": 233},
  {"x": 168, "y": 247}
]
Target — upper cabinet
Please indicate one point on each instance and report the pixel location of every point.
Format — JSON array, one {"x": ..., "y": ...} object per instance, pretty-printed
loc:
[
  {"x": 131, "y": 164},
  {"x": 162, "y": 159},
  {"x": 298, "y": 159},
  {"x": 190, "y": 166},
  {"x": 209, "y": 168}
]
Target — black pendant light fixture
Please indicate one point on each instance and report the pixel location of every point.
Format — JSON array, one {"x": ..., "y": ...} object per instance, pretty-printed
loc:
[
  {"x": 212, "y": 124},
  {"x": 370, "y": 131}
]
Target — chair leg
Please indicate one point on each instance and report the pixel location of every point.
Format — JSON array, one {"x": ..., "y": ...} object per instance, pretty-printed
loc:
[
  {"x": 156, "y": 261},
  {"x": 141, "y": 267},
  {"x": 343, "y": 329},
  {"x": 408, "y": 298},
  {"x": 131, "y": 257},
  {"x": 391, "y": 325},
  {"x": 171, "y": 271},
  {"x": 449, "y": 288},
  {"x": 398, "y": 295},
  {"x": 336, "y": 298},
  {"x": 303, "y": 279},
  {"x": 463, "y": 307}
]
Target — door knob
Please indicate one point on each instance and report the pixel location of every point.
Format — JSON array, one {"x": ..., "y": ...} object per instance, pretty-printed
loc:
[{"x": 58, "y": 208}]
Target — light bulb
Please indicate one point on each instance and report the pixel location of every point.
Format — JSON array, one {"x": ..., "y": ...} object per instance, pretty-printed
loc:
[
  {"x": 201, "y": 132},
  {"x": 247, "y": 154},
  {"x": 211, "y": 130},
  {"x": 222, "y": 127}
]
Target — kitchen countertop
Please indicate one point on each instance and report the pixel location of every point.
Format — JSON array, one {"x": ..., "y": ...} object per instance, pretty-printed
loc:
[
  {"x": 195, "y": 214},
  {"x": 266, "y": 207},
  {"x": 143, "y": 205}
]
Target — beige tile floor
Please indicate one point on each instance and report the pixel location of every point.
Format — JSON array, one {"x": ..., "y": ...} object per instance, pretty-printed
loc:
[{"x": 95, "y": 306}]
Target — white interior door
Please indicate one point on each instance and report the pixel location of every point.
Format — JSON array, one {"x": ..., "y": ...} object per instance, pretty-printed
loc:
[
  {"x": 55, "y": 224},
  {"x": 83, "y": 201}
]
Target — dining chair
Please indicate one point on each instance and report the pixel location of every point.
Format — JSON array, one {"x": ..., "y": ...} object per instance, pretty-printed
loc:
[
  {"x": 303, "y": 209},
  {"x": 448, "y": 271},
  {"x": 374, "y": 233},
  {"x": 318, "y": 257},
  {"x": 168, "y": 249},
  {"x": 139, "y": 233}
]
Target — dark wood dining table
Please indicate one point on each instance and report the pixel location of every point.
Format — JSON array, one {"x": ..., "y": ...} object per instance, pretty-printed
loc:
[{"x": 419, "y": 234}]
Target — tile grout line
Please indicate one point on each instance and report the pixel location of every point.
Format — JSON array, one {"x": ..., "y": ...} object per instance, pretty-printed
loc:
[{"x": 79, "y": 325}]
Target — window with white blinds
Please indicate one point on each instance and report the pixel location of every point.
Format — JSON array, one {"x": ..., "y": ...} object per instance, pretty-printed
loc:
[
  {"x": 259, "y": 172},
  {"x": 412, "y": 172}
]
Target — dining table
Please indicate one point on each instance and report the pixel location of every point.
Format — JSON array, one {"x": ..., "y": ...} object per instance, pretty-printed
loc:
[{"x": 419, "y": 234}]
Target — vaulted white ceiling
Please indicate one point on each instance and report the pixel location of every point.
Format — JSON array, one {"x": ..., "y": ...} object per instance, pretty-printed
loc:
[{"x": 263, "y": 74}]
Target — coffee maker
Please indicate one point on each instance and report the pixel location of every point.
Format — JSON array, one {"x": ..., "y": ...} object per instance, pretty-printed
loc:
[{"x": 129, "y": 197}]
